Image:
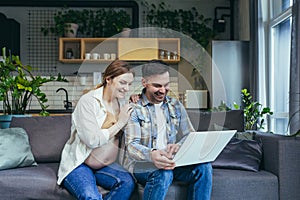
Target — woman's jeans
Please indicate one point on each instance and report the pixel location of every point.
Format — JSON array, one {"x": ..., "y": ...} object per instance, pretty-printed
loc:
[
  {"x": 157, "y": 181},
  {"x": 82, "y": 182}
]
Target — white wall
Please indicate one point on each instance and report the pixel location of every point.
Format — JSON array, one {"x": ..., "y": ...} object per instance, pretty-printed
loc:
[{"x": 75, "y": 90}]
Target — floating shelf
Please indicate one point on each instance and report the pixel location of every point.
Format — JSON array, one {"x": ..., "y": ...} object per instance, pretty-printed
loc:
[{"x": 129, "y": 49}]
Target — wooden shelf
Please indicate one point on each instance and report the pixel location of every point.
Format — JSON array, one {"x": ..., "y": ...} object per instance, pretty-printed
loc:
[{"x": 129, "y": 49}]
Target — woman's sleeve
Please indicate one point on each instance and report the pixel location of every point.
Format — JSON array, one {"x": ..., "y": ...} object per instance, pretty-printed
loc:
[{"x": 88, "y": 119}]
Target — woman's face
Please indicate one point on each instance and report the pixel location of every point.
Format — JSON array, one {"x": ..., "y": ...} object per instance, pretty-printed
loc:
[{"x": 120, "y": 85}]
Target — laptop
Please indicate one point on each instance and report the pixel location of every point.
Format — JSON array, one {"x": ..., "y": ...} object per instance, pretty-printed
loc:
[{"x": 202, "y": 147}]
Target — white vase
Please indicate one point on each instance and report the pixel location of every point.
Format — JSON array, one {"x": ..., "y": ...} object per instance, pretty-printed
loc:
[{"x": 71, "y": 30}]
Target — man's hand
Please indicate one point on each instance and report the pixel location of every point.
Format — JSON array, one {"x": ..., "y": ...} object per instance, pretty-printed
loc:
[
  {"x": 172, "y": 150},
  {"x": 162, "y": 159},
  {"x": 134, "y": 98}
]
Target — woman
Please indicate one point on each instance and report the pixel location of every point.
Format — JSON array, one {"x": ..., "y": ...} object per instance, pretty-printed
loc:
[{"x": 97, "y": 121}]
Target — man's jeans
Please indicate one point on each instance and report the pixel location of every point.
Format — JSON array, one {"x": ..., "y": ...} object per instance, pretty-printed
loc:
[
  {"x": 82, "y": 182},
  {"x": 157, "y": 181}
]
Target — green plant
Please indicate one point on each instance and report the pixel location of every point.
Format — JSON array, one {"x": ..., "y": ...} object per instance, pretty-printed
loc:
[
  {"x": 91, "y": 22},
  {"x": 221, "y": 107},
  {"x": 18, "y": 85},
  {"x": 61, "y": 22},
  {"x": 254, "y": 112},
  {"x": 189, "y": 22}
]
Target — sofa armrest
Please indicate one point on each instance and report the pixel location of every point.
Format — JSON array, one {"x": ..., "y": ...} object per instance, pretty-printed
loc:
[{"x": 282, "y": 157}]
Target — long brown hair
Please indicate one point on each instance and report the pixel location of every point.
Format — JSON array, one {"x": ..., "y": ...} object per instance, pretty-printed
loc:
[{"x": 116, "y": 68}]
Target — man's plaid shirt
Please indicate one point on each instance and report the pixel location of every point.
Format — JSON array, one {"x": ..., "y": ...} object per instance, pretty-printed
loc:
[{"x": 141, "y": 130}]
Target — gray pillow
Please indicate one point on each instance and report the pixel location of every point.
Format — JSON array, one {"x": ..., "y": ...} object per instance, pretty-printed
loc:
[
  {"x": 47, "y": 135},
  {"x": 242, "y": 152},
  {"x": 15, "y": 150}
]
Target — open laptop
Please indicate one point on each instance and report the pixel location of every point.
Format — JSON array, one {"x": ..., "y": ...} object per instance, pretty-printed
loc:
[{"x": 203, "y": 146}]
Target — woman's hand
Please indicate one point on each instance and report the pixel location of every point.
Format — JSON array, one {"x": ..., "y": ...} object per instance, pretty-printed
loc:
[{"x": 124, "y": 115}]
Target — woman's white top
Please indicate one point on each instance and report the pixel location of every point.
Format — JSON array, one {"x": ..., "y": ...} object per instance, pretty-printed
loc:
[{"x": 86, "y": 132}]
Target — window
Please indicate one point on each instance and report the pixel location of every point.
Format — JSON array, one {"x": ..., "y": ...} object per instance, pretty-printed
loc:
[
  {"x": 280, "y": 6},
  {"x": 279, "y": 64}
]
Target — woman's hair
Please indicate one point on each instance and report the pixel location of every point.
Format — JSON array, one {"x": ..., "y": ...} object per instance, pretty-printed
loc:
[{"x": 116, "y": 68}]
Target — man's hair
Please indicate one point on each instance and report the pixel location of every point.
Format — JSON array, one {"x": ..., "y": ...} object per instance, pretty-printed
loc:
[{"x": 154, "y": 67}]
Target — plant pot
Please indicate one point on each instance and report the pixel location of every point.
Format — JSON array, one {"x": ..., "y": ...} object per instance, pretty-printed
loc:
[
  {"x": 71, "y": 30},
  {"x": 6, "y": 119}
]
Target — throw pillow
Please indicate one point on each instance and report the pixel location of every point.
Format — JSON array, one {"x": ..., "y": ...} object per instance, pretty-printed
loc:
[
  {"x": 243, "y": 154},
  {"x": 15, "y": 150},
  {"x": 47, "y": 135}
]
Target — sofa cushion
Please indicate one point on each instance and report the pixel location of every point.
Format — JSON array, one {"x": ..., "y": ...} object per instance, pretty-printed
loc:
[
  {"x": 47, "y": 135},
  {"x": 32, "y": 183},
  {"x": 243, "y": 154},
  {"x": 15, "y": 150},
  {"x": 228, "y": 185},
  {"x": 202, "y": 121},
  {"x": 240, "y": 184}
]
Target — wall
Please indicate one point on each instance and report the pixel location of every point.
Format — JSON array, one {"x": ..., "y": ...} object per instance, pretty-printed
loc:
[
  {"x": 75, "y": 89},
  {"x": 184, "y": 78},
  {"x": 42, "y": 52}
]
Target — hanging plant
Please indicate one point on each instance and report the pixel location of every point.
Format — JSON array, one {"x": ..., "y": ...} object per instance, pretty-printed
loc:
[
  {"x": 189, "y": 22},
  {"x": 91, "y": 22}
]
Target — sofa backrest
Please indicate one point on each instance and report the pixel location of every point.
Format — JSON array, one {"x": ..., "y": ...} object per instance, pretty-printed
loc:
[
  {"x": 203, "y": 120},
  {"x": 47, "y": 135}
]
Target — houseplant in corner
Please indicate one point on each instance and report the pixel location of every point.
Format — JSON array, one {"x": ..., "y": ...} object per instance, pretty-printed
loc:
[
  {"x": 254, "y": 111},
  {"x": 18, "y": 86}
]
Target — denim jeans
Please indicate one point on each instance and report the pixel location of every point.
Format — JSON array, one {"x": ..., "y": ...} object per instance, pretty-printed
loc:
[
  {"x": 82, "y": 182},
  {"x": 157, "y": 181}
]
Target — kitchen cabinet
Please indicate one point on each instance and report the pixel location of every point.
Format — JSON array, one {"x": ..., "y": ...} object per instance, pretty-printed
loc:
[{"x": 77, "y": 50}]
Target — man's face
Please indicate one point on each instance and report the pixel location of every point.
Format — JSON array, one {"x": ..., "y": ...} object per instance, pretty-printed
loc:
[{"x": 157, "y": 87}]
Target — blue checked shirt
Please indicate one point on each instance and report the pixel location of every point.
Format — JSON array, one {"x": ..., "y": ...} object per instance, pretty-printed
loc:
[{"x": 141, "y": 130}]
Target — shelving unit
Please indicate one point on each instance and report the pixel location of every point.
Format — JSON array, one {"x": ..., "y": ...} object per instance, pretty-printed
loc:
[{"x": 130, "y": 49}]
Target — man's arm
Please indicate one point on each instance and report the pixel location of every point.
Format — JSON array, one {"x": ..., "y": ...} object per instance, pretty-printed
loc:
[
  {"x": 133, "y": 138},
  {"x": 185, "y": 124}
]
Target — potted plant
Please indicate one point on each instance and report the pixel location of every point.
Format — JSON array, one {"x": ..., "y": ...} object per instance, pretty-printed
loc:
[
  {"x": 66, "y": 23},
  {"x": 189, "y": 22},
  {"x": 91, "y": 22},
  {"x": 18, "y": 86},
  {"x": 254, "y": 112}
]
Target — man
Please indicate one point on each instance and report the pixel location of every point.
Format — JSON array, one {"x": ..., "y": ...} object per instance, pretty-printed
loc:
[{"x": 157, "y": 121}]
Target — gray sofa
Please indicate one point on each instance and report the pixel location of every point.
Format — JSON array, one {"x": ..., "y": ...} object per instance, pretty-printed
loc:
[{"x": 278, "y": 178}]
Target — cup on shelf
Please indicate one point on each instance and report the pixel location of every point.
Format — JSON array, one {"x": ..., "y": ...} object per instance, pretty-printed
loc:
[
  {"x": 95, "y": 56},
  {"x": 162, "y": 54},
  {"x": 87, "y": 56},
  {"x": 168, "y": 55},
  {"x": 113, "y": 56},
  {"x": 106, "y": 56}
]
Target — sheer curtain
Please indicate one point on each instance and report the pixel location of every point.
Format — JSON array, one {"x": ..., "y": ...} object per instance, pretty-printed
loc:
[
  {"x": 294, "y": 104},
  {"x": 258, "y": 53}
]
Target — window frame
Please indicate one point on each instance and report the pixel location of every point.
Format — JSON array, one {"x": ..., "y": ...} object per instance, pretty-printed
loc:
[{"x": 273, "y": 23}]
